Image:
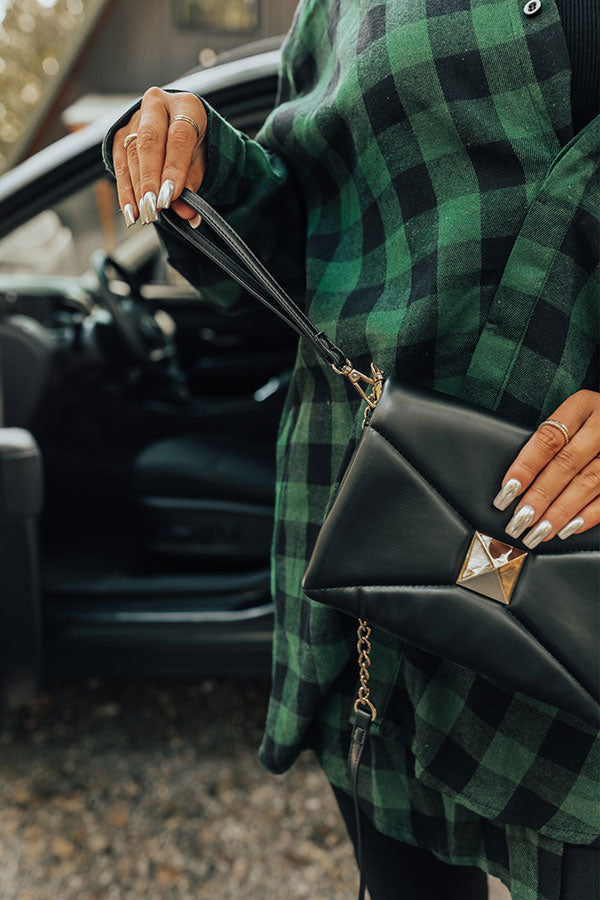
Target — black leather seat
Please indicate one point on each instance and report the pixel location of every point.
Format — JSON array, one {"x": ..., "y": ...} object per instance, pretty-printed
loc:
[{"x": 202, "y": 498}]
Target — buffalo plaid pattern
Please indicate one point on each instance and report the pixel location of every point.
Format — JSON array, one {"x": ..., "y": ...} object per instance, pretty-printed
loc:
[{"x": 420, "y": 186}]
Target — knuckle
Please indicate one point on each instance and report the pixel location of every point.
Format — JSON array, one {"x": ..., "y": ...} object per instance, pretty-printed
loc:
[
  {"x": 550, "y": 439},
  {"x": 526, "y": 470},
  {"x": 153, "y": 93},
  {"x": 539, "y": 497},
  {"x": 566, "y": 462},
  {"x": 191, "y": 99},
  {"x": 181, "y": 140},
  {"x": 121, "y": 170},
  {"x": 147, "y": 139},
  {"x": 590, "y": 478}
]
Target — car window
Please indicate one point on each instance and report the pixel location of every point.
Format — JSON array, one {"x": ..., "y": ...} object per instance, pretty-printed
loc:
[{"x": 60, "y": 239}]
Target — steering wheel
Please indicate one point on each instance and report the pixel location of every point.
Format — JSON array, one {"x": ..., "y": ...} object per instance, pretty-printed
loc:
[{"x": 139, "y": 333}]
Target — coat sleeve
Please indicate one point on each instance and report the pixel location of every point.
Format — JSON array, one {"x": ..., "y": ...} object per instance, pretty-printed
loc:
[{"x": 254, "y": 188}]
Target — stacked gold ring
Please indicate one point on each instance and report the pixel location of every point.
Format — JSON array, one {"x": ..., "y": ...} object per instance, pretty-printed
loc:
[
  {"x": 554, "y": 423},
  {"x": 190, "y": 121},
  {"x": 128, "y": 139}
]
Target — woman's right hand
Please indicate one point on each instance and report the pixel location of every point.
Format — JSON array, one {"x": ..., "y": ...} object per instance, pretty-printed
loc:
[{"x": 165, "y": 157}]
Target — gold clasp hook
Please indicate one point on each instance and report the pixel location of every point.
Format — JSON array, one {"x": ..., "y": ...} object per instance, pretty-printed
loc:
[{"x": 375, "y": 380}]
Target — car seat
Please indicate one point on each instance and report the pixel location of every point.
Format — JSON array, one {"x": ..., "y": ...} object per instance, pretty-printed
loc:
[{"x": 205, "y": 498}]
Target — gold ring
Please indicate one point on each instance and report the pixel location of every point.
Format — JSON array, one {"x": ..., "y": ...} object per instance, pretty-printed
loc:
[
  {"x": 128, "y": 139},
  {"x": 190, "y": 121},
  {"x": 554, "y": 423}
]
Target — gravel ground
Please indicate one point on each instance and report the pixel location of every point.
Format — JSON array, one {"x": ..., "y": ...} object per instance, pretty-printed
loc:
[{"x": 152, "y": 791}]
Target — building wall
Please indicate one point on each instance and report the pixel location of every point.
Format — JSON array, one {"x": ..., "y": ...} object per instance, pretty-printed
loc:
[{"x": 139, "y": 44}]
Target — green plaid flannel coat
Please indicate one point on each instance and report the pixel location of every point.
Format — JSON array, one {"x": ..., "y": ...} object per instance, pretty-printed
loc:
[{"x": 419, "y": 184}]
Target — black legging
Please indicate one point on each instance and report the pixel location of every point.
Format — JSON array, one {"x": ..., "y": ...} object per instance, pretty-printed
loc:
[
  {"x": 397, "y": 871},
  {"x": 394, "y": 870}
]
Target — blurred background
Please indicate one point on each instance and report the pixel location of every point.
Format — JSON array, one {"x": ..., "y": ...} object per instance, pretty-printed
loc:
[{"x": 65, "y": 62}]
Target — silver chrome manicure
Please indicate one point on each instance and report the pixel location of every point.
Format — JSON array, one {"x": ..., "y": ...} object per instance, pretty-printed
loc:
[
  {"x": 149, "y": 203},
  {"x": 520, "y": 521},
  {"x": 142, "y": 208},
  {"x": 536, "y": 535},
  {"x": 507, "y": 494},
  {"x": 165, "y": 195},
  {"x": 128, "y": 215},
  {"x": 570, "y": 528}
]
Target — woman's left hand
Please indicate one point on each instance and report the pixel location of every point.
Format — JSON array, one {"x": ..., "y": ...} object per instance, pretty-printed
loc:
[{"x": 561, "y": 479}]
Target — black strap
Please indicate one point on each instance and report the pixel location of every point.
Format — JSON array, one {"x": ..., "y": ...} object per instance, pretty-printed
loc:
[
  {"x": 360, "y": 733},
  {"x": 249, "y": 272}
]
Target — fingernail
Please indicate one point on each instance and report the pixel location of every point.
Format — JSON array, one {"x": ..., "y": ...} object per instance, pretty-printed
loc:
[
  {"x": 128, "y": 215},
  {"x": 570, "y": 528},
  {"x": 165, "y": 195},
  {"x": 142, "y": 208},
  {"x": 507, "y": 494},
  {"x": 195, "y": 221},
  {"x": 149, "y": 205},
  {"x": 520, "y": 521},
  {"x": 541, "y": 530}
]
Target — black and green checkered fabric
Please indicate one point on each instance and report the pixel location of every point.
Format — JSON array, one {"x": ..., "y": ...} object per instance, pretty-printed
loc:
[{"x": 420, "y": 185}]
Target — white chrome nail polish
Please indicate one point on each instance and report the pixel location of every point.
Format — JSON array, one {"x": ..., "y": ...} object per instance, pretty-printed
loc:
[
  {"x": 537, "y": 534},
  {"x": 149, "y": 201},
  {"x": 507, "y": 494},
  {"x": 143, "y": 213},
  {"x": 570, "y": 528},
  {"x": 165, "y": 195},
  {"x": 128, "y": 215},
  {"x": 520, "y": 521},
  {"x": 196, "y": 220}
]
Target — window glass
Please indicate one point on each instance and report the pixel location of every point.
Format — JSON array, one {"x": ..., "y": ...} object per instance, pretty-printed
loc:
[
  {"x": 217, "y": 15},
  {"x": 61, "y": 239}
]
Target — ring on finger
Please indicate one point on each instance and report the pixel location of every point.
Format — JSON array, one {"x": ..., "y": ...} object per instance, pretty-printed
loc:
[
  {"x": 554, "y": 423},
  {"x": 129, "y": 139},
  {"x": 190, "y": 121}
]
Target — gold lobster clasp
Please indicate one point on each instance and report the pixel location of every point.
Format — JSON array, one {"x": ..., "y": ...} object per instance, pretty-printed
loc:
[{"x": 357, "y": 379}]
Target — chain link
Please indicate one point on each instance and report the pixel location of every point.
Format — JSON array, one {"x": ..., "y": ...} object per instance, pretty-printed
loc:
[{"x": 363, "y": 648}]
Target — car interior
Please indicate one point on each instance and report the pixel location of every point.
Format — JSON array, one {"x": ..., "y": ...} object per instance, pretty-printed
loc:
[{"x": 137, "y": 446}]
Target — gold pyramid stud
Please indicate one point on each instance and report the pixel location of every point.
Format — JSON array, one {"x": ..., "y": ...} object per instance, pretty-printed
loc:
[{"x": 491, "y": 568}]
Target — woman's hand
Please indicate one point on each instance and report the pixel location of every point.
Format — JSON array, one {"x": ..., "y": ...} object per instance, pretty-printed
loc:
[
  {"x": 561, "y": 480},
  {"x": 167, "y": 154}
]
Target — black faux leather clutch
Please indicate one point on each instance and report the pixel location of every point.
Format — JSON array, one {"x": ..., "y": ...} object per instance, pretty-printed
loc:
[{"x": 412, "y": 542}]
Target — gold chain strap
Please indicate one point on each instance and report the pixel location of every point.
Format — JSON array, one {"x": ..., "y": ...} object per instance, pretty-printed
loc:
[
  {"x": 363, "y": 647},
  {"x": 363, "y": 644}
]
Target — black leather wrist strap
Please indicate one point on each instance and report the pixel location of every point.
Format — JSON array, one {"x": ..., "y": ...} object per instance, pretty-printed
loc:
[
  {"x": 249, "y": 272},
  {"x": 245, "y": 268}
]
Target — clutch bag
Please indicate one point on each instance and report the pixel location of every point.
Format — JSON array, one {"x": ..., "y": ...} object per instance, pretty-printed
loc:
[{"x": 412, "y": 544}]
